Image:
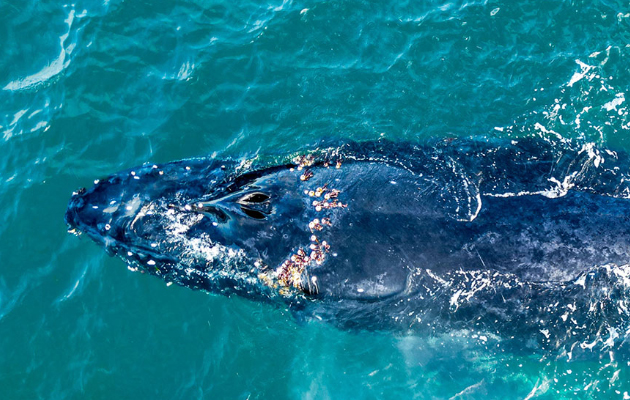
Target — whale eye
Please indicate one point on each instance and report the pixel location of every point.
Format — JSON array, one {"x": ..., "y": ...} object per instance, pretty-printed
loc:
[
  {"x": 253, "y": 198},
  {"x": 253, "y": 213}
]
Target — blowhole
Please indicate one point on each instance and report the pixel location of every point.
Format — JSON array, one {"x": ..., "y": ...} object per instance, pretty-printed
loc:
[
  {"x": 254, "y": 198},
  {"x": 253, "y": 213}
]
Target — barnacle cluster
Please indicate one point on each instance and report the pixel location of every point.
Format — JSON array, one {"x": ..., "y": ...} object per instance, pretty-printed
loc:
[
  {"x": 304, "y": 161},
  {"x": 329, "y": 201},
  {"x": 326, "y": 204},
  {"x": 318, "y": 225},
  {"x": 290, "y": 274},
  {"x": 328, "y": 193}
]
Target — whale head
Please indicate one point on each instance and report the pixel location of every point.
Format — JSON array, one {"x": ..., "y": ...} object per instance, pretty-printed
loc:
[{"x": 198, "y": 223}]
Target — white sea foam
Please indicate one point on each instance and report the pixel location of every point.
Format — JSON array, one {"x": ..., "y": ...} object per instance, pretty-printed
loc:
[{"x": 52, "y": 69}]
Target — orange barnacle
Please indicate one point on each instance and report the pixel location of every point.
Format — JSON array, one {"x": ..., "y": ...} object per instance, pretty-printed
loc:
[{"x": 338, "y": 164}]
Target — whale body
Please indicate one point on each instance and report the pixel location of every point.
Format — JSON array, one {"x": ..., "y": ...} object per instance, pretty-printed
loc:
[{"x": 517, "y": 238}]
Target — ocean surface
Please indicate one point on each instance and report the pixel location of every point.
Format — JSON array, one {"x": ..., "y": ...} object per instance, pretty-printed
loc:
[{"x": 89, "y": 88}]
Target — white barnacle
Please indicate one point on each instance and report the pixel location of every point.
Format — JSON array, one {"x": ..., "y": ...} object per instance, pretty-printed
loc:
[
  {"x": 187, "y": 168},
  {"x": 150, "y": 262},
  {"x": 96, "y": 182}
]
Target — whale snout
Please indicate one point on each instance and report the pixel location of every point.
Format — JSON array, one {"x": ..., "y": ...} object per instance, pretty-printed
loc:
[
  {"x": 96, "y": 211},
  {"x": 75, "y": 205}
]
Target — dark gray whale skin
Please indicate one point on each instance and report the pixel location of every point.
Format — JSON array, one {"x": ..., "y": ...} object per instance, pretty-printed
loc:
[{"x": 516, "y": 238}]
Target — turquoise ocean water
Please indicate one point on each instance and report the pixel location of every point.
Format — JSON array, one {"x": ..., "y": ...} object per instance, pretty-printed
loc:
[{"x": 89, "y": 88}]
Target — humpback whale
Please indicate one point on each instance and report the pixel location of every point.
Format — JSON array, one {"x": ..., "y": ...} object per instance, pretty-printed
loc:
[{"x": 522, "y": 238}]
